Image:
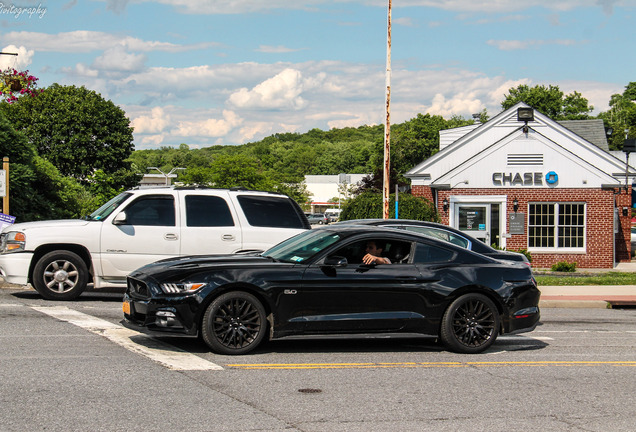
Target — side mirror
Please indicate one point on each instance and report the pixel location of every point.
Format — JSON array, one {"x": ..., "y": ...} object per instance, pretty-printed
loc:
[
  {"x": 336, "y": 261},
  {"x": 120, "y": 219}
]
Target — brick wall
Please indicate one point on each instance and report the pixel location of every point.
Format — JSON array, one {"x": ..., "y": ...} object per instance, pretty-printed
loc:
[{"x": 600, "y": 235}]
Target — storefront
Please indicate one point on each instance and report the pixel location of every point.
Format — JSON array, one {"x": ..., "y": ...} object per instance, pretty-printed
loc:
[{"x": 524, "y": 181}]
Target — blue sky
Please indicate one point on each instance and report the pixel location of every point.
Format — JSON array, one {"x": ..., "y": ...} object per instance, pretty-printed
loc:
[{"x": 208, "y": 72}]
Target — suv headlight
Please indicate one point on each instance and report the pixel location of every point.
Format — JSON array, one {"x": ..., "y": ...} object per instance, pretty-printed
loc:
[
  {"x": 13, "y": 241},
  {"x": 179, "y": 288}
]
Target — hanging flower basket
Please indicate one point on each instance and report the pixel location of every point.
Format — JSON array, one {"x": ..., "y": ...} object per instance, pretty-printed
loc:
[{"x": 14, "y": 84}]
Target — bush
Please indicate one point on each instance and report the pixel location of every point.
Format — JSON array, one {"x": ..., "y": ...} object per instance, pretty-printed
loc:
[
  {"x": 527, "y": 254},
  {"x": 368, "y": 205},
  {"x": 564, "y": 266}
]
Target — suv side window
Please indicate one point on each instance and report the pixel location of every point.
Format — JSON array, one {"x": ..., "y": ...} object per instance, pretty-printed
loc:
[
  {"x": 151, "y": 210},
  {"x": 274, "y": 212},
  {"x": 207, "y": 211}
]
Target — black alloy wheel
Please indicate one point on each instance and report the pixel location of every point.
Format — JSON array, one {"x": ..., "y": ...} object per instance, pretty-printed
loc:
[
  {"x": 234, "y": 323},
  {"x": 60, "y": 275},
  {"x": 470, "y": 324}
]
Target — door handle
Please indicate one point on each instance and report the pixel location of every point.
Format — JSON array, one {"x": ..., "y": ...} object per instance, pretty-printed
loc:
[
  {"x": 171, "y": 236},
  {"x": 228, "y": 237}
]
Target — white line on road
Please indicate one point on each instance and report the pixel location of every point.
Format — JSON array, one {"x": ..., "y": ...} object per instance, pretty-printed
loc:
[{"x": 167, "y": 355}]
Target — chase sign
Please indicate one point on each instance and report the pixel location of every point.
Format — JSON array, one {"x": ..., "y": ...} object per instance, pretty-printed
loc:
[
  {"x": 523, "y": 179},
  {"x": 551, "y": 177}
]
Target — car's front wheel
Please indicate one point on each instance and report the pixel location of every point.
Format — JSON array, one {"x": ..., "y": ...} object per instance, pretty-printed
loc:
[
  {"x": 234, "y": 323},
  {"x": 470, "y": 324},
  {"x": 60, "y": 275}
]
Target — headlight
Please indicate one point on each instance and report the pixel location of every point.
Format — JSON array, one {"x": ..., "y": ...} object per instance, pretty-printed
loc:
[
  {"x": 13, "y": 241},
  {"x": 179, "y": 288}
]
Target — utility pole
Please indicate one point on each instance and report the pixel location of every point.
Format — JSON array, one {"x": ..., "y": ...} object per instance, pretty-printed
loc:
[{"x": 387, "y": 124}]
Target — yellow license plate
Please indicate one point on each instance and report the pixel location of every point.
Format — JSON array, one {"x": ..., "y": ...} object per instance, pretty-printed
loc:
[{"x": 126, "y": 307}]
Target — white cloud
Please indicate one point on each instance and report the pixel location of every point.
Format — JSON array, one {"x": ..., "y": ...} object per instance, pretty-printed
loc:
[
  {"x": 157, "y": 121},
  {"x": 485, "y": 6},
  {"x": 208, "y": 127},
  {"x": 276, "y": 49},
  {"x": 21, "y": 61},
  {"x": 83, "y": 41},
  {"x": 279, "y": 92},
  {"x": 116, "y": 59},
  {"x": 511, "y": 45}
]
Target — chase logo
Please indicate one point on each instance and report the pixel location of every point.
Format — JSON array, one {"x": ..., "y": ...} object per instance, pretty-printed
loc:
[{"x": 551, "y": 177}]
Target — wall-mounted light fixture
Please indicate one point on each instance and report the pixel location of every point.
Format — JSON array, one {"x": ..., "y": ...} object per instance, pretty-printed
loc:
[
  {"x": 515, "y": 205},
  {"x": 445, "y": 204},
  {"x": 525, "y": 114}
]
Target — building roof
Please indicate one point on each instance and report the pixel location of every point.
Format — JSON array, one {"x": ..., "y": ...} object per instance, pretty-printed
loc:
[
  {"x": 577, "y": 148},
  {"x": 590, "y": 130}
]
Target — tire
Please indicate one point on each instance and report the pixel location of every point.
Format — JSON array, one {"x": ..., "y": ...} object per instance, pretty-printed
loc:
[
  {"x": 234, "y": 323},
  {"x": 470, "y": 324},
  {"x": 60, "y": 275}
]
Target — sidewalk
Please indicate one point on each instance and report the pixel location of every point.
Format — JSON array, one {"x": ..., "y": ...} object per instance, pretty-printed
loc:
[
  {"x": 591, "y": 296},
  {"x": 587, "y": 296}
]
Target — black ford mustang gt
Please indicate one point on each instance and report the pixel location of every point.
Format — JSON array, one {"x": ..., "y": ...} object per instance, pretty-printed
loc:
[{"x": 315, "y": 283}]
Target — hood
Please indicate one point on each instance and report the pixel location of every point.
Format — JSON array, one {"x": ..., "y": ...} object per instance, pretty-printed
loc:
[
  {"x": 25, "y": 226},
  {"x": 163, "y": 269}
]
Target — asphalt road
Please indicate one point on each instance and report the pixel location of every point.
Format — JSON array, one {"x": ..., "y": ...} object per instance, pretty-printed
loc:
[{"x": 72, "y": 367}]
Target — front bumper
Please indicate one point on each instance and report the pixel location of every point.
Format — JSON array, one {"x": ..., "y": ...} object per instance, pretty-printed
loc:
[
  {"x": 160, "y": 316},
  {"x": 14, "y": 267}
]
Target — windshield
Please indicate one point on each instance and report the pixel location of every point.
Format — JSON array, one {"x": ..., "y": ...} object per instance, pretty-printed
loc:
[
  {"x": 103, "y": 212},
  {"x": 303, "y": 246}
]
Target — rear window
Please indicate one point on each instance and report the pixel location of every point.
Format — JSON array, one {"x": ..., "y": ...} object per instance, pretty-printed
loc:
[
  {"x": 426, "y": 254},
  {"x": 273, "y": 212}
]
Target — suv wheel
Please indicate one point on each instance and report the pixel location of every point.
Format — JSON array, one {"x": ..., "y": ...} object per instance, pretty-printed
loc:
[{"x": 60, "y": 275}]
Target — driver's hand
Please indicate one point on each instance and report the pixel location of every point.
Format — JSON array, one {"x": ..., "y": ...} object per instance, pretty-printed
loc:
[{"x": 369, "y": 259}]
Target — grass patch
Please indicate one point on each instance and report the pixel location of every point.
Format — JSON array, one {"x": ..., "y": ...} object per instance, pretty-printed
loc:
[{"x": 609, "y": 278}]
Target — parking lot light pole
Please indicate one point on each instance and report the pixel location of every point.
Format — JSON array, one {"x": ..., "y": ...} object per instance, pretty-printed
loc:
[{"x": 167, "y": 176}]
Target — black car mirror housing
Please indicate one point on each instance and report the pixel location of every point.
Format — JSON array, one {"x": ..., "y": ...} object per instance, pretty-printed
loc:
[{"x": 336, "y": 261}]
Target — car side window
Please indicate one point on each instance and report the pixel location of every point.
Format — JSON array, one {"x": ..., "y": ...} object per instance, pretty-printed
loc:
[
  {"x": 274, "y": 212},
  {"x": 151, "y": 210},
  {"x": 426, "y": 254},
  {"x": 398, "y": 252},
  {"x": 207, "y": 211},
  {"x": 440, "y": 234}
]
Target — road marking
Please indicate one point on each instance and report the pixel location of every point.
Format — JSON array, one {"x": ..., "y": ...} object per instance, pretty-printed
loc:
[
  {"x": 162, "y": 353},
  {"x": 523, "y": 338},
  {"x": 260, "y": 366}
]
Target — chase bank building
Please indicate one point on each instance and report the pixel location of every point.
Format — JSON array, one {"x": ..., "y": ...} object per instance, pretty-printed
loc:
[{"x": 524, "y": 181}]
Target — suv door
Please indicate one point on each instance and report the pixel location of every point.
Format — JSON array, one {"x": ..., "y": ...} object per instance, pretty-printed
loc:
[
  {"x": 210, "y": 223},
  {"x": 149, "y": 232}
]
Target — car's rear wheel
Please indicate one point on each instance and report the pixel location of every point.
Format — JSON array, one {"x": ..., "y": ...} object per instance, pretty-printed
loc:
[
  {"x": 470, "y": 324},
  {"x": 234, "y": 323},
  {"x": 60, "y": 275}
]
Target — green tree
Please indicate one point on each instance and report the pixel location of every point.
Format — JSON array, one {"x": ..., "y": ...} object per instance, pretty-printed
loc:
[
  {"x": 550, "y": 101},
  {"x": 369, "y": 205},
  {"x": 75, "y": 129},
  {"x": 37, "y": 190},
  {"x": 238, "y": 171},
  {"x": 621, "y": 116}
]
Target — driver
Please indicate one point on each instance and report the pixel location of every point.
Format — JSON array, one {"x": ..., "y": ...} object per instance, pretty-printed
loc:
[{"x": 374, "y": 251}]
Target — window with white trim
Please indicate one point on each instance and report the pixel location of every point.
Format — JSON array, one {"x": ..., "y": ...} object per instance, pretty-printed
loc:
[{"x": 556, "y": 226}]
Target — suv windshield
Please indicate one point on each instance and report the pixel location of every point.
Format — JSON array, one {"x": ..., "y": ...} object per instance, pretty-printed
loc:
[
  {"x": 302, "y": 247},
  {"x": 103, "y": 212}
]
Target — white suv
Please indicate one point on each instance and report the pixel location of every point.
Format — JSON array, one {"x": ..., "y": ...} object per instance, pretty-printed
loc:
[{"x": 59, "y": 258}]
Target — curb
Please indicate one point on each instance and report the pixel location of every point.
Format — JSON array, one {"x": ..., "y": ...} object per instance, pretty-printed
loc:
[{"x": 574, "y": 304}]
